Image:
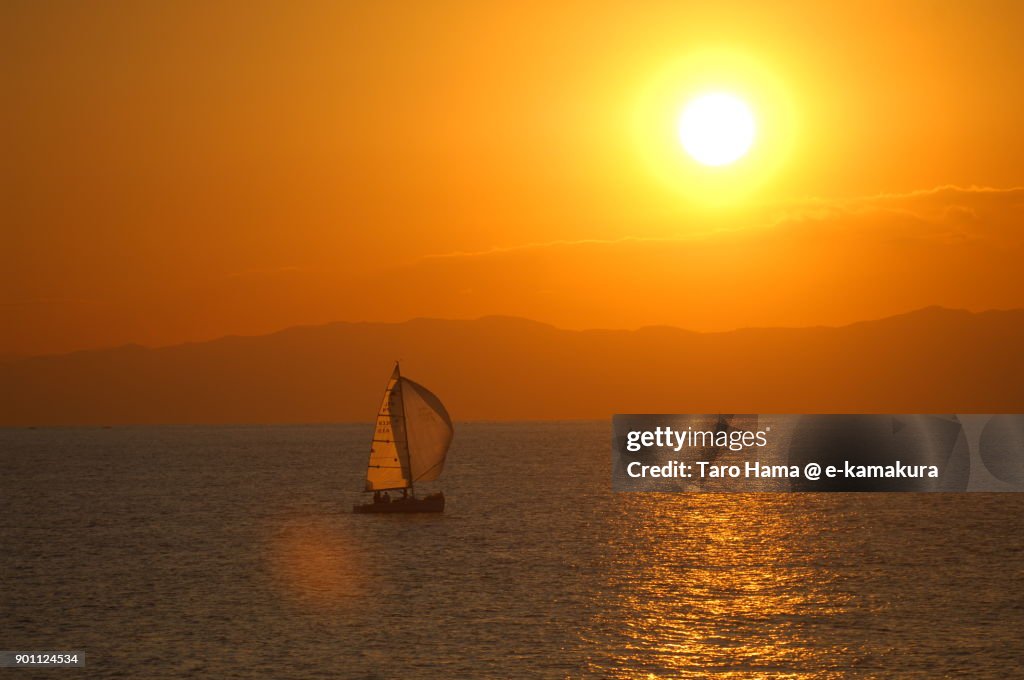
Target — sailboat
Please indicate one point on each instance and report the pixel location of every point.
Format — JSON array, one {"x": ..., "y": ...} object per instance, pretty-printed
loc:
[{"x": 409, "y": 445}]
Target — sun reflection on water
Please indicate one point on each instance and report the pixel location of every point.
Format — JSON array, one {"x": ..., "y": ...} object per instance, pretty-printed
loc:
[
  {"x": 705, "y": 584},
  {"x": 312, "y": 562}
]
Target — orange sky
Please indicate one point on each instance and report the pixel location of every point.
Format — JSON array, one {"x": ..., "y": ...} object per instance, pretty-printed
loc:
[{"x": 182, "y": 171}]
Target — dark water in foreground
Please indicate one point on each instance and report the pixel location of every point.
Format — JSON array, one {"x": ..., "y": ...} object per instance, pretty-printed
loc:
[{"x": 230, "y": 552}]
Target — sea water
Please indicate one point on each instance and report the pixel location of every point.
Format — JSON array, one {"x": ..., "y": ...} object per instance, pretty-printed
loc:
[{"x": 232, "y": 552}]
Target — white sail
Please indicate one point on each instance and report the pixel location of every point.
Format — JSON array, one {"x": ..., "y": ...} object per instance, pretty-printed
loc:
[
  {"x": 411, "y": 439},
  {"x": 428, "y": 431},
  {"x": 389, "y": 451}
]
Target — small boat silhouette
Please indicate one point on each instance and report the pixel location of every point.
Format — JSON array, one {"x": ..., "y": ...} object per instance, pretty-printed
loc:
[{"x": 409, "y": 445}]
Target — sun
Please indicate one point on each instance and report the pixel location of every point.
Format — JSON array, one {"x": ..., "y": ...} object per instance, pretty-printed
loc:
[{"x": 717, "y": 128}]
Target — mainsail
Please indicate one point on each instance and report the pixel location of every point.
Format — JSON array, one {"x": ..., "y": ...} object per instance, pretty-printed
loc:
[{"x": 411, "y": 438}]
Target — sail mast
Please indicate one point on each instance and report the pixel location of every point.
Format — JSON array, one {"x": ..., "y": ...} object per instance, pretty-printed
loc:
[
  {"x": 405, "y": 423},
  {"x": 405, "y": 417}
]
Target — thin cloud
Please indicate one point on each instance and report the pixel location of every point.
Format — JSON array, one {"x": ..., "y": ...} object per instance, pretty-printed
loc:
[{"x": 811, "y": 210}]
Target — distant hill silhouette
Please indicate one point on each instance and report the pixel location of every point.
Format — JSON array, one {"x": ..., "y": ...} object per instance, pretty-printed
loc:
[{"x": 929, "y": 361}]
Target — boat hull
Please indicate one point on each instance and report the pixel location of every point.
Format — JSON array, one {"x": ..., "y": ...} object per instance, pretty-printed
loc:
[{"x": 432, "y": 503}]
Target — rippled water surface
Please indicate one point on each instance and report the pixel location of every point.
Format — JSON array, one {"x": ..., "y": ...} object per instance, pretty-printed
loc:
[{"x": 231, "y": 552}]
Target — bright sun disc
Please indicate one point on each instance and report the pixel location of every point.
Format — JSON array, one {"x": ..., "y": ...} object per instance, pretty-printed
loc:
[{"x": 716, "y": 129}]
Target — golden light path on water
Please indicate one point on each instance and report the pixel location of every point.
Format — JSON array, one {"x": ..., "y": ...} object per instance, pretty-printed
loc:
[{"x": 709, "y": 584}]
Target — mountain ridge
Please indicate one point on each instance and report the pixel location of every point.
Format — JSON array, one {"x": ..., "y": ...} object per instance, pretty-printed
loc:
[
  {"x": 487, "y": 318},
  {"x": 507, "y": 368}
]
